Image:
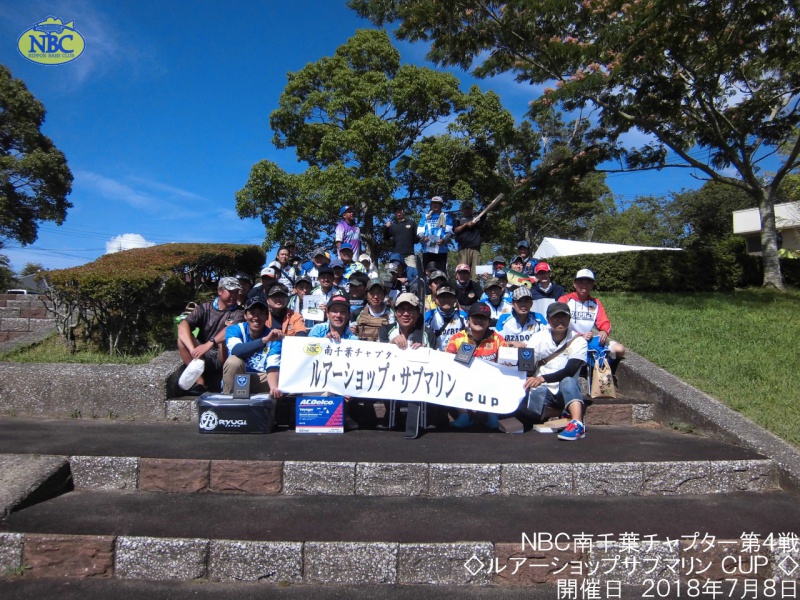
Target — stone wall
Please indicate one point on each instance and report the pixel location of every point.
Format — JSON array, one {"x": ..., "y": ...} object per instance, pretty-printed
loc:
[{"x": 22, "y": 314}]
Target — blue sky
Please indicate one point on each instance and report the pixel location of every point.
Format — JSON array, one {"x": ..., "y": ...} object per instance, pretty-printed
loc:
[{"x": 163, "y": 115}]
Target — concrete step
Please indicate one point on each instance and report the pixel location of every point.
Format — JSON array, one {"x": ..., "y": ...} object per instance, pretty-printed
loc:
[{"x": 381, "y": 540}]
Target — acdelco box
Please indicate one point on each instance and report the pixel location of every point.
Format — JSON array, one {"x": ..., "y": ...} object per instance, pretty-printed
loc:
[
  {"x": 320, "y": 414},
  {"x": 220, "y": 413}
]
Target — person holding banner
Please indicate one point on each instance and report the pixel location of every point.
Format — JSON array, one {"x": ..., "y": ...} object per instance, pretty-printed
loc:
[
  {"x": 519, "y": 326},
  {"x": 560, "y": 354},
  {"x": 479, "y": 340}
]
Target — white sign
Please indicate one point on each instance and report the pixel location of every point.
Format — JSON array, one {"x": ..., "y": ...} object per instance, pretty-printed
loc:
[
  {"x": 385, "y": 372},
  {"x": 311, "y": 310}
]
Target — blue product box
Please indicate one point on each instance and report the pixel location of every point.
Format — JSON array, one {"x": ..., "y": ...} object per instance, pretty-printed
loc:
[{"x": 320, "y": 414}]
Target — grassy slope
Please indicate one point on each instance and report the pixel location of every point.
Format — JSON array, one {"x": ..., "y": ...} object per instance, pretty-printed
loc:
[{"x": 740, "y": 348}]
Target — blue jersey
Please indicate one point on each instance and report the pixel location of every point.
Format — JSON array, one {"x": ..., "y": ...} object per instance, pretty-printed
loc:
[
  {"x": 323, "y": 329},
  {"x": 436, "y": 227},
  {"x": 444, "y": 328},
  {"x": 512, "y": 331},
  {"x": 268, "y": 358}
]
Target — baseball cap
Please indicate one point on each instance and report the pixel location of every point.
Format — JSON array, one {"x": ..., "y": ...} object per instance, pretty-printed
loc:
[
  {"x": 255, "y": 301},
  {"x": 395, "y": 257},
  {"x": 269, "y": 272},
  {"x": 338, "y": 299},
  {"x": 278, "y": 288},
  {"x": 431, "y": 266},
  {"x": 336, "y": 263},
  {"x": 364, "y": 257},
  {"x": 373, "y": 282},
  {"x": 319, "y": 252},
  {"x": 229, "y": 283},
  {"x": 517, "y": 258},
  {"x": 346, "y": 246},
  {"x": 243, "y": 277},
  {"x": 500, "y": 273},
  {"x": 522, "y": 292},
  {"x": 463, "y": 267},
  {"x": 467, "y": 204},
  {"x": 492, "y": 282},
  {"x": 585, "y": 274},
  {"x": 346, "y": 208},
  {"x": 558, "y": 308},
  {"x": 356, "y": 281},
  {"x": 480, "y": 308},
  {"x": 325, "y": 270},
  {"x": 524, "y": 244},
  {"x": 543, "y": 266},
  {"x": 445, "y": 289},
  {"x": 500, "y": 259},
  {"x": 437, "y": 199},
  {"x": 303, "y": 278},
  {"x": 392, "y": 267},
  {"x": 407, "y": 298},
  {"x": 438, "y": 275}
]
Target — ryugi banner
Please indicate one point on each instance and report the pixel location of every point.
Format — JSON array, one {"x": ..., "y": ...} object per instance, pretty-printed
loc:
[{"x": 383, "y": 371}]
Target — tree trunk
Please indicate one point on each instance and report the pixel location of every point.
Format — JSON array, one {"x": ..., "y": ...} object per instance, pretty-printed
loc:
[{"x": 769, "y": 240}]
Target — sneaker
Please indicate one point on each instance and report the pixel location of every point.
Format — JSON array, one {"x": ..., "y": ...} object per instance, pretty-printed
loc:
[
  {"x": 575, "y": 430},
  {"x": 462, "y": 422},
  {"x": 191, "y": 374},
  {"x": 493, "y": 421},
  {"x": 198, "y": 389}
]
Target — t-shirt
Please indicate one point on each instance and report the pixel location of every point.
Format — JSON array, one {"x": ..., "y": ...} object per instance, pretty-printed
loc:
[
  {"x": 512, "y": 331},
  {"x": 586, "y": 315},
  {"x": 211, "y": 320},
  {"x": 470, "y": 237},
  {"x": 486, "y": 349},
  {"x": 444, "y": 328},
  {"x": 404, "y": 234},
  {"x": 268, "y": 358},
  {"x": 350, "y": 234},
  {"x": 543, "y": 346},
  {"x": 322, "y": 330}
]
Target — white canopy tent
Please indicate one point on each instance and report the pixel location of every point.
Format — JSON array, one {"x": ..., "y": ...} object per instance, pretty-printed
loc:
[{"x": 551, "y": 247}]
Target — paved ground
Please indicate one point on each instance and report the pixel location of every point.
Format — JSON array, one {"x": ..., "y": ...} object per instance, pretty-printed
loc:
[
  {"x": 171, "y": 440},
  {"x": 401, "y": 519}
]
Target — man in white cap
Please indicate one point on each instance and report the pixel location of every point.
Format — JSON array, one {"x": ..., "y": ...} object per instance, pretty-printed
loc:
[
  {"x": 588, "y": 316},
  {"x": 201, "y": 353},
  {"x": 435, "y": 231}
]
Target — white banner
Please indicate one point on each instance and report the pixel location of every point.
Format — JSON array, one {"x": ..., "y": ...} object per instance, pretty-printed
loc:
[{"x": 385, "y": 372}]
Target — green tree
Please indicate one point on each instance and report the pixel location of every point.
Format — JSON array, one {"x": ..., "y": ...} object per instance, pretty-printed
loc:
[
  {"x": 712, "y": 84},
  {"x": 31, "y": 269},
  {"x": 706, "y": 214},
  {"x": 34, "y": 177},
  {"x": 647, "y": 221},
  {"x": 350, "y": 117},
  {"x": 7, "y": 278}
]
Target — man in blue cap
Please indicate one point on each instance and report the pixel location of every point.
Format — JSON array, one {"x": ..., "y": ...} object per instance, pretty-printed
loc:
[{"x": 347, "y": 231}]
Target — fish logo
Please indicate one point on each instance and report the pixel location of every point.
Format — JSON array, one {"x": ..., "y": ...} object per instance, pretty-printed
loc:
[
  {"x": 241, "y": 380},
  {"x": 312, "y": 349},
  {"x": 51, "y": 42}
]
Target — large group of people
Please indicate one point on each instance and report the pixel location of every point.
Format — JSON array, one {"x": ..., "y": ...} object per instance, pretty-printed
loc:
[{"x": 336, "y": 297}]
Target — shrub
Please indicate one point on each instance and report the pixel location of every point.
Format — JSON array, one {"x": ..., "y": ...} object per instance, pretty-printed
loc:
[
  {"x": 722, "y": 265},
  {"x": 123, "y": 299}
]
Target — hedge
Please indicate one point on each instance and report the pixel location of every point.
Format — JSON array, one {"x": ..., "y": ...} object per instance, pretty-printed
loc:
[
  {"x": 125, "y": 298},
  {"x": 723, "y": 265}
]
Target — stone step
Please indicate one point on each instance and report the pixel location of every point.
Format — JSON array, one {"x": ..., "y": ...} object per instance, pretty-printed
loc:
[{"x": 379, "y": 540}]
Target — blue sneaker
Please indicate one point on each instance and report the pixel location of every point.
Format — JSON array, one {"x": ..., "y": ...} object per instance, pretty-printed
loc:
[
  {"x": 462, "y": 422},
  {"x": 575, "y": 430},
  {"x": 493, "y": 421}
]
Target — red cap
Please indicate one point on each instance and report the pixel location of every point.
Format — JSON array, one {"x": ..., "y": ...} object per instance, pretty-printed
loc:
[{"x": 541, "y": 266}]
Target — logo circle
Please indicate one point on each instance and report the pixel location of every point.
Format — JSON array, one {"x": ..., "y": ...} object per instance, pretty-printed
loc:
[{"x": 208, "y": 420}]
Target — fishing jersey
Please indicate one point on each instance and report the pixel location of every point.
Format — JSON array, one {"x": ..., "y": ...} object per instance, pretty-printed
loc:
[
  {"x": 323, "y": 329},
  {"x": 586, "y": 315},
  {"x": 508, "y": 297},
  {"x": 266, "y": 359},
  {"x": 512, "y": 331},
  {"x": 353, "y": 267},
  {"x": 349, "y": 234},
  {"x": 543, "y": 346},
  {"x": 444, "y": 328},
  {"x": 436, "y": 227},
  {"x": 486, "y": 349},
  {"x": 505, "y": 308}
]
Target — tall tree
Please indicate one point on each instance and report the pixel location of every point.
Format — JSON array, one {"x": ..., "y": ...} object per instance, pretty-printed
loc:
[
  {"x": 350, "y": 117},
  {"x": 713, "y": 84},
  {"x": 34, "y": 177}
]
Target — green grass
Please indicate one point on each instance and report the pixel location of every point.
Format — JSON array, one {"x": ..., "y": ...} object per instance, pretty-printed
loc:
[
  {"x": 53, "y": 350},
  {"x": 739, "y": 347}
]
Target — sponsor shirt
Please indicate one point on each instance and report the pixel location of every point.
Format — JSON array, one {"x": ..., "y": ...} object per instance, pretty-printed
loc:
[
  {"x": 512, "y": 331},
  {"x": 435, "y": 227},
  {"x": 353, "y": 267},
  {"x": 268, "y": 358},
  {"x": 543, "y": 345},
  {"x": 444, "y": 328},
  {"x": 586, "y": 315},
  {"x": 292, "y": 324},
  {"x": 322, "y": 330},
  {"x": 350, "y": 234},
  {"x": 486, "y": 349}
]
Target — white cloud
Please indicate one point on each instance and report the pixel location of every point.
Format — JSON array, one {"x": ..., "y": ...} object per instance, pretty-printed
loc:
[{"x": 126, "y": 241}]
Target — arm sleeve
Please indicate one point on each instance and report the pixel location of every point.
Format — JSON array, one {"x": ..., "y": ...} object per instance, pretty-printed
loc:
[
  {"x": 246, "y": 349},
  {"x": 601, "y": 320},
  {"x": 573, "y": 366}
]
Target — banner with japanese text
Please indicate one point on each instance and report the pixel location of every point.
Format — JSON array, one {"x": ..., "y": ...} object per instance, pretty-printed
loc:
[{"x": 383, "y": 371}]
